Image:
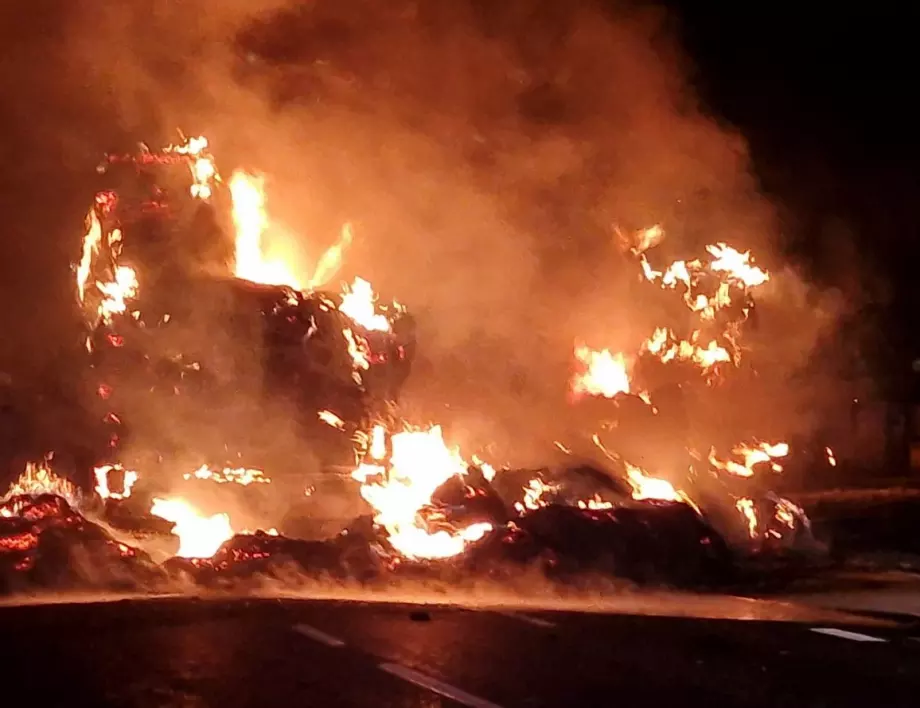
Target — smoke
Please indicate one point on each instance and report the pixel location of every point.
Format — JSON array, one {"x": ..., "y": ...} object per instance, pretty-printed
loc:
[{"x": 484, "y": 153}]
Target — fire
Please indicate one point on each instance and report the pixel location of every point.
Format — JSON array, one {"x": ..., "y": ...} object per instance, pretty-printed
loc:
[
  {"x": 737, "y": 266},
  {"x": 331, "y": 419},
  {"x": 746, "y": 507},
  {"x": 595, "y": 503},
  {"x": 201, "y": 165},
  {"x": 230, "y": 475},
  {"x": 199, "y": 536},
  {"x": 533, "y": 495},
  {"x": 645, "y": 487},
  {"x": 251, "y": 221},
  {"x": 91, "y": 242},
  {"x": 129, "y": 477},
  {"x": 666, "y": 347},
  {"x": 751, "y": 456},
  {"x": 604, "y": 373},
  {"x": 117, "y": 293},
  {"x": 331, "y": 261},
  {"x": 400, "y": 488},
  {"x": 38, "y": 478},
  {"x": 359, "y": 303}
]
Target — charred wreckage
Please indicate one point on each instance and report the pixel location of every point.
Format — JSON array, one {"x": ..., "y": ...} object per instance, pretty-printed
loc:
[{"x": 168, "y": 330}]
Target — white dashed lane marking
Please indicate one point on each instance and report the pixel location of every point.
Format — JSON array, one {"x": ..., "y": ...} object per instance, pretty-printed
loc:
[
  {"x": 436, "y": 686},
  {"x": 529, "y": 619},
  {"x": 844, "y": 634},
  {"x": 321, "y": 637}
]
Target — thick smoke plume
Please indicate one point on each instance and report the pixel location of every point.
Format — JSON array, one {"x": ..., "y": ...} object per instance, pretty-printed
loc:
[{"x": 484, "y": 152}]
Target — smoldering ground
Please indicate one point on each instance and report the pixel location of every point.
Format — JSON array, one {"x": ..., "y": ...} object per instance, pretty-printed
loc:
[{"x": 483, "y": 151}]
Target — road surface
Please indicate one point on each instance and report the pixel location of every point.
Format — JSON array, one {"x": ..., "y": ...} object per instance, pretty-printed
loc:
[{"x": 190, "y": 653}]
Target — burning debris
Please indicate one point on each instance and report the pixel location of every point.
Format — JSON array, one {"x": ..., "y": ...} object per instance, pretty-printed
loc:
[{"x": 342, "y": 355}]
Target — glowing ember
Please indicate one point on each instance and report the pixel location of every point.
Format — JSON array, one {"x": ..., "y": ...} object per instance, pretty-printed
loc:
[
  {"x": 199, "y": 536},
  {"x": 252, "y": 532},
  {"x": 250, "y": 219},
  {"x": 533, "y": 495},
  {"x": 38, "y": 479},
  {"x": 129, "y": 477},
  {"x": 751, "y": 456},
  {"x": 331, "y": 419},
  {"x": 230, "y": 475},
  {"x": 418, "y": 464},
  {"x": 595, "y": 503},
  {"x": 604, "y": 373}
]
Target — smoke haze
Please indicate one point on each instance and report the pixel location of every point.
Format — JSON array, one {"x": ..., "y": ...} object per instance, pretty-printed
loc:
[{"x": 484, "y": 153}]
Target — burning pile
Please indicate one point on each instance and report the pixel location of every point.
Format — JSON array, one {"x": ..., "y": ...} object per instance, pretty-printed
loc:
[
  {"x": 717, "y": 294},
  {"x": 637, "y": 514}
]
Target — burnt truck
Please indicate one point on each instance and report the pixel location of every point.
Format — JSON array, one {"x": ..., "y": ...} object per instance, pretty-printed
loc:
[{"x": 183, "y": 356}]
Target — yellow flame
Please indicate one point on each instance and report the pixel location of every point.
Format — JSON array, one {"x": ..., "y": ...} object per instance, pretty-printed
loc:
[
  {"x": 359, "y": 303},
  {"x": 250, "y": 218},
  {"x": 117, "y": 293},
  {"x": 199, "y": 536},
  {"x": 129, "y": 477},
  {"x": 604, "y": 373},
  {"x": 38, "y": 478},
  {"x": 751, "y": 455},
  {"x": 230, "y": 475},
  {"x": 91, "y": 242},
  {"x": 419, "y": 463}
]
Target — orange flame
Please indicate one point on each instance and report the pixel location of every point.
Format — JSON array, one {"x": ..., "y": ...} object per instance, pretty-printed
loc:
[{"x": 751, "y": 456}]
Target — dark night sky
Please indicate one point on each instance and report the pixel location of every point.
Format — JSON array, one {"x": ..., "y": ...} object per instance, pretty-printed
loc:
[
  {"x": 824, "y": 98},
  {"x": 825, "y": 101}
]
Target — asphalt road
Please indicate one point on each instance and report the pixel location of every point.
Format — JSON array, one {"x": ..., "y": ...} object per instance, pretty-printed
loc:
[{"x": 190, "y": 653}]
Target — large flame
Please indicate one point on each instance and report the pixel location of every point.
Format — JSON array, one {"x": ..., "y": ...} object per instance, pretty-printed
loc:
[
  {"x": 602, "y": 373},
  {"x": 38, "y": 478},
  {"x": 200, "y": 536},
  {"x": 360, "y": 304},
  {"x": 250, "y": 218},
  {"x": 419, "y": 463}
]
